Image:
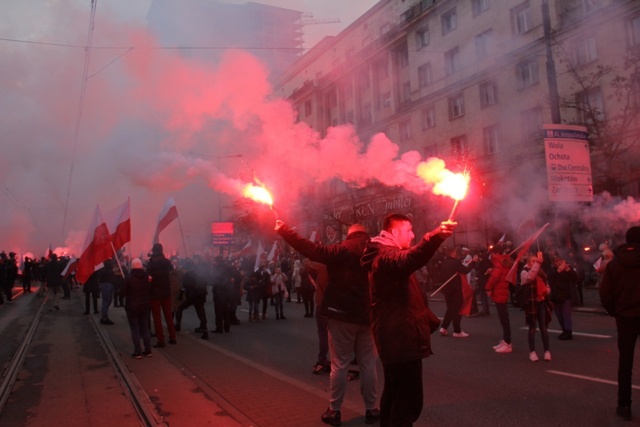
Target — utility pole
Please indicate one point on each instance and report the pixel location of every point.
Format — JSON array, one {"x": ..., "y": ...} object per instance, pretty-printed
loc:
[{"x": 554, "y": 98}]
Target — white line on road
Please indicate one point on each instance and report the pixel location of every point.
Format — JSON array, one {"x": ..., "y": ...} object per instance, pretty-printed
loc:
[
  {"x": 584, "y": 377},
  {"x": 581, "y": 334}
]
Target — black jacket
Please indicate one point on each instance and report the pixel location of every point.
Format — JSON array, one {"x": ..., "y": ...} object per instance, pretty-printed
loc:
[
  {"x": 399, "y": 313},
  {"x": 135, "y": 290},
  {"x": 620, "y": 287},
  {"x": 347, "y": 295},
  {"x": 159, "y": 268}
]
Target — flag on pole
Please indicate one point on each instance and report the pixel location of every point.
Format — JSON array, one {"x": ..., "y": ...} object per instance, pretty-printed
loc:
[
  {"x": 512, "y": 275},
  {"x": 246, "y": 250},
  {"x": 168, "y": 213},
  {"x": 258, "y": 256},
  {"x": 118, "y": 222},
  {"x": 71, "y": 266},
  {"x": 467, "y": 296},
  {"x": 96, "y": 249},
  {"x": 272, "y": 252}
]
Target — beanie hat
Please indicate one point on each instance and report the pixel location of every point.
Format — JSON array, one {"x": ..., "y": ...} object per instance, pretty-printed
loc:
[
  {"x": 633, "y": 235},
  {"x": 136, "y": 264}
]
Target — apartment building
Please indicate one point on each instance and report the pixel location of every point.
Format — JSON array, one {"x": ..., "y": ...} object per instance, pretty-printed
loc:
[{"x": 473, "y": 82}]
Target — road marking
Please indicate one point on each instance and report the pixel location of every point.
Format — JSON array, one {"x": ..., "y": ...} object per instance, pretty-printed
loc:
[
  {"x": 584, "y": 377},
  {"x": 581, "y": 334}
]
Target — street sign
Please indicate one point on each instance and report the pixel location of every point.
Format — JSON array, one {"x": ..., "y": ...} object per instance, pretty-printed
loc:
[
  {"x": 568, "y": 163},
  {"x": 222, "y": 233}
]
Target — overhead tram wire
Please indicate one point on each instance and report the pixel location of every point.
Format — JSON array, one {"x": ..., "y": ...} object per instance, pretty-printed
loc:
[{"x": 80, "y": 108}]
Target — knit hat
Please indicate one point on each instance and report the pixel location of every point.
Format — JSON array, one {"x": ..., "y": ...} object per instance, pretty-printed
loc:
[
  {"x": 136, "y": 264},
  {"x": 633, "y": 235}
]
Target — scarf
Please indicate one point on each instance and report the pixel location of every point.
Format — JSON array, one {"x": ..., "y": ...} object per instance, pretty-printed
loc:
[{"x": 387, "y": 239}]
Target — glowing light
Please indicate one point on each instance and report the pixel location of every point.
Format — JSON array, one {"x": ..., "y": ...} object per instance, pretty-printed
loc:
[
  {"x": 258, "y": 194},
  {"x": 444, "y": 181}
]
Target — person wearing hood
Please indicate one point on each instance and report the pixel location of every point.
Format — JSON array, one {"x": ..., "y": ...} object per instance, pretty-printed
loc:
[
  {"x": 620, "y": 297},
  {"x": 159, "y": 268},
  {"x": 400, "y": 319},
  {"x": 135, "y": 292},
  {"x": 346, "y": 303}
]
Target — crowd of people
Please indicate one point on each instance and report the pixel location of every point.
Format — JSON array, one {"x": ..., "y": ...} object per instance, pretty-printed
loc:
[{"x": 366, "y": 294}]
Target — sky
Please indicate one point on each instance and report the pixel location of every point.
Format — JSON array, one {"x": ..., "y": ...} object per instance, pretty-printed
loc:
[{"x": 146, "y": 125}]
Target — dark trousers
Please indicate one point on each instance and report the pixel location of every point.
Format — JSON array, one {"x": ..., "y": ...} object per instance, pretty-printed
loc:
[
  {"x": 452, "y": 315},
  {"x": 198, "y": 305},
  {"x": 139, "y": 325},
  {"x": 628, "y": 330},
  {"x": 222, "y": 314},
  {"x": 87, "y": 301},
  {"x": 401, "y": 400},
  {"x": 503, "y": 316}
]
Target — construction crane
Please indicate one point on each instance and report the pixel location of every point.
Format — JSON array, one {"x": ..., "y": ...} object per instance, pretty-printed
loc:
[{"x": 308, "y": 19}]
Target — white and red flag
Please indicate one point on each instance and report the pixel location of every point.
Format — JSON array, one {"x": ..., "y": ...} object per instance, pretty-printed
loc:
[
  {"x": 71, "y": 266},
  {"x": 246, "y": 250},
  {"x": 97, "y": 247},
  {"x": 258, "y": 256},
  {"x": 512, "y": 275},
  {"x": 119, "y": 224},
  {"x": 273, "y": 253},
  {"x": 168, "y": 213}
]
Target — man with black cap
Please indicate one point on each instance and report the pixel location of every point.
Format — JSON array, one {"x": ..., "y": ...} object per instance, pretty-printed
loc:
[{"x": 620, "y": 297}]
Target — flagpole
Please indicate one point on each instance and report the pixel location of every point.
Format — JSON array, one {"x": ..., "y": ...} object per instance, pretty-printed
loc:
[
  {"x": 186, "y": 253},
  {"x": 525, "y": 241},
  {"x": 115, "y": 253},
  {"x": 444, "y": 284}
]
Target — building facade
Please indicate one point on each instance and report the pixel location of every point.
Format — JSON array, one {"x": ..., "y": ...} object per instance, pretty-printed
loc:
[{"x": 473, "y": 82}]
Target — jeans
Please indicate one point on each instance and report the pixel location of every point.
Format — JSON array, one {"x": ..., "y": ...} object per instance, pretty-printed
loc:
[
  {"x": 503, "y": 316},
  {"x": 279, "y": 300},
  {"x": 542, "y": 324},
  {"x": 106, "y": 293},
  {"x": 254, "y": 308},
  {"x": 139, "y": 325},
  {"x": 347, "y": 340},
  {"x": 563, "y": 312}
]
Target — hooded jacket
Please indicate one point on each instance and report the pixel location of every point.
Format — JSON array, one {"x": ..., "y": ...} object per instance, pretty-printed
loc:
[
  {"x": 346, "y": 297},
  {"x": 399, "y": 313},
  {"x": 620, "y": 287},
  {"x": 135, "y": 290},
  {"x": 159, "y": 268}
]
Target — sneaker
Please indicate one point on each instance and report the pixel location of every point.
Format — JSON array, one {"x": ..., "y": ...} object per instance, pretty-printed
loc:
[
  {"x": 318, "y": 368},
  {"x": 443, "y": 332},
  {"x": 371, "y": 416},
  {"x": 533, "y": 356},
  {"x": 547, "y": 356},
  {"x": 137, "y": 355},
  {"x": 624, "y": 412},
  {"x": 331, "y": 417},
  {"x": 500, "y": 344},
  {"x": 147, "y": 353},
  {"x": 461, "y": 334},
  {"x": 506, "y": 348}
]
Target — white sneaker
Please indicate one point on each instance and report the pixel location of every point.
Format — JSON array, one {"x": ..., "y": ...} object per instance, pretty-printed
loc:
[
  {"x": 443, "y": 332},
  {"x": 506, "y": 348},
  {"x": 533, "y": 356},
  {"x": 500, "y": 344},
  {"x": 460, "y": 334},
  {"x": 547, "y": 356}
]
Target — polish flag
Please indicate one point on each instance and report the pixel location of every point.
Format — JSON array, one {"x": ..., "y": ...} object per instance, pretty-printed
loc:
[
  {"x": 97, "y": 247},
  {"x": 119, "y": 224},
  {"x": 168, "y": 213},
  {"x": 258, "y": 256},
  {"x": 512, "y": 275},
  {"x": 71, "y": 266},
  {"x": 467, "y": 296},
  {"x": 244, "y": 251},
  {"x": 273, "y": 252}
]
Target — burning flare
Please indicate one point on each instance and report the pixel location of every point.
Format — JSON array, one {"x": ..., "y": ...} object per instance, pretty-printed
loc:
[
  {"x": 445, "y": 182},
  {"x": 258, "y": 194}
]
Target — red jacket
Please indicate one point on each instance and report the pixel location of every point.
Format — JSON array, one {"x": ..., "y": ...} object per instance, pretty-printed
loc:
[{"x": 497, "y": 286}]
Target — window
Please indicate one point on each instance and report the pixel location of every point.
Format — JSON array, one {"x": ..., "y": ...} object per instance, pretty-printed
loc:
[
  {"x": 308, "y": 109},
  {"x": 521, "y": 18},
  {"x": 424, "y": 75},
  {"x": 531, "y": 124},
  {"x": 479, "y": 6},
  {"x": 456, "y": 106},
  {"x": 430, "y": 151},
  {"x": 490, "y": 137},
  {"x": 585, "y": 51},
  {"x": 590, "y": 106},
  {"x": 348, "y": 90},
  {"x": 459, "y": 145},
  {"x": 405, "y": 130},
  {"x": 350, "y": 117},
  {"x": 406, "y": 92},
  {"x": 403, "y": 56},
  {"x": 449, "y": 21},
  {"x": 422, "y": 38},
  {"x": 488, "y": 94},
  {"x": 385, "y": 28},
  {"x": 386, "y": 100},
  {"x": 482, "y": 42},
  {"x": 428, "y": 117},
  {"x": 452, "y": 61},
  {"x": 382, "y": 70},
  {"x": 634, "y": 31},
  {"x": 527, "y": 73},
  {"x": 367, "y": 114}
]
